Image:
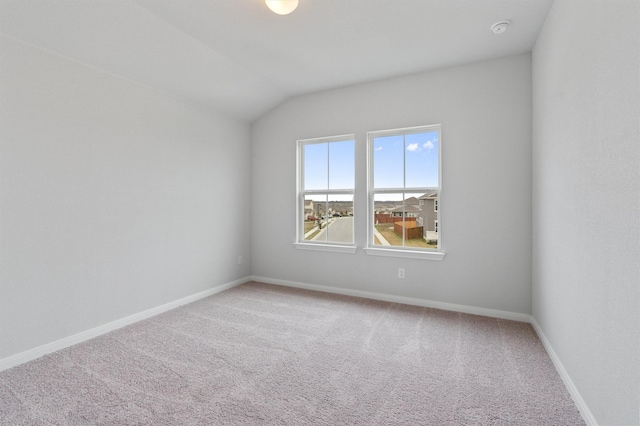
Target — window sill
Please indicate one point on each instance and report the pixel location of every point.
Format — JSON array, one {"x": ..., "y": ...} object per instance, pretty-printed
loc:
[
  {"x": 326, "y": 247},
  {"x": 407, "y": 254}
]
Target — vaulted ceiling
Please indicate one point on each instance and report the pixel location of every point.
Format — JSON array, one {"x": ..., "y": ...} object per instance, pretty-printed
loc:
[{"x": 238, "y": 57}]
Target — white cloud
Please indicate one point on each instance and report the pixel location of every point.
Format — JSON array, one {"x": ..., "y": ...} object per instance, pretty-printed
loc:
[
  {"x": 413, "y": 147},
  {"x": 428, "y": 145},
  {"x": 378, "y": 148}
]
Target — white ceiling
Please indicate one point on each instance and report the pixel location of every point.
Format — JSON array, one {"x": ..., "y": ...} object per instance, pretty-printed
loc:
[{"x": 238, "y": 57}]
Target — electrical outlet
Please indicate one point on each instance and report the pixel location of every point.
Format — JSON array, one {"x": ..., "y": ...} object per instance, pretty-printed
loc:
[
  {"x": 239, "y": 260},
  {"x": 400, "y": 272}
]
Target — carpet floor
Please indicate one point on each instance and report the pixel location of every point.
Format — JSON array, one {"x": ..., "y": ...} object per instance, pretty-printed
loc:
[{"x": 265, "y": 354}]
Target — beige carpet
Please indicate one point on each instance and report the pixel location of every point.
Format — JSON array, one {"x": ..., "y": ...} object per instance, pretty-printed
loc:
[{"x": 263, "y": 354}]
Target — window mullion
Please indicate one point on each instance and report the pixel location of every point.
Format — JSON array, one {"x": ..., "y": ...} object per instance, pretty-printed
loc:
[
  {"x": 328, "y": 165},
  {"x": 404, "y": 186}
]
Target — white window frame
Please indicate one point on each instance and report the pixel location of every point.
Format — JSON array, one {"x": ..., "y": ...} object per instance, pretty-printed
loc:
[
  {"x": 301, "y": 243},
  {"x": 396, "y": 251}
]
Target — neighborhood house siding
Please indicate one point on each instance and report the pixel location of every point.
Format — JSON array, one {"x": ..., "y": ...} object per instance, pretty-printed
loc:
[{"x": 428, "y": 215}]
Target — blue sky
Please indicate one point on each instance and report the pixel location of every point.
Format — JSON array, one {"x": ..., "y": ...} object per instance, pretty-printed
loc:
[
  {"x": 420, "y": 152},
  {"x": 340, "y": 156},
  {"x": 399, "y": 161}
]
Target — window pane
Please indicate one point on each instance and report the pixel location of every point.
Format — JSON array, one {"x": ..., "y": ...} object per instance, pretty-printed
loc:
[
  {"x": 316, "y": 158},
  {"x": 405, "y": 220},
  {"x": 329, "y": 218},
  {"x": 341, "y": 165},
  {"x": 388, "y": 162},
  {"x": 421, "y": 159}
]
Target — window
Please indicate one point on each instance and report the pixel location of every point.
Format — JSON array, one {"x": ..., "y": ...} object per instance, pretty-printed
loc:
[
  {"x": 326, "y": 182},
  {"x": 404, "y": 177}
]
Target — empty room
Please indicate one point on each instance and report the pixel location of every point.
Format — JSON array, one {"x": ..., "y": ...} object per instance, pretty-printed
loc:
[{"x": 367, "y": 212}]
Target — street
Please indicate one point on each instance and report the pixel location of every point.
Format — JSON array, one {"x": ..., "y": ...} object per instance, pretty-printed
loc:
[{"x": 340, "y": 230}]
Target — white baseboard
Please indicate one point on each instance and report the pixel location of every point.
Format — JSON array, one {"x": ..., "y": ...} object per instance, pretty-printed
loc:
[
  {"x": 493, "y": 313},
  {"x": 34, "y": 353},
  {"x": 587, "y": 416}
]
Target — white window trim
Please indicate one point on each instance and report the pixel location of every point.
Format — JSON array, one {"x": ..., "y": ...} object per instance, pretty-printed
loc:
[
  {"x": 402, "y": 252},
  {"x": 301, "y": 243},
  {"x": 324, "y": 246},
  {"x": 406, "y": 253}
]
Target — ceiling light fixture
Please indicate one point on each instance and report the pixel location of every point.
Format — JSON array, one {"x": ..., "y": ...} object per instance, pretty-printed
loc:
[
  {"x": 282, "y": 7},
  {"x": 500, "y": 27}
]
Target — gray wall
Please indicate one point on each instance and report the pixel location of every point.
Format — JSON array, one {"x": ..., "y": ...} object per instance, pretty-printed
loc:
[
  {"x": 115, "y": 199},
  {"x": 586, "y": 209},
  {"x": 485, "y": 112}
]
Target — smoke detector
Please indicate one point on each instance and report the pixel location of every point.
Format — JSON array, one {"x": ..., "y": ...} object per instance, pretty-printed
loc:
[{"x": 500, "y": 27}]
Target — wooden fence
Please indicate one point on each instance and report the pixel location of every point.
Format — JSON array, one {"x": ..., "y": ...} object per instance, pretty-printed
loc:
[
  {"x": 385, "y": 218},
  {"x": 411, "y": 231}
]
